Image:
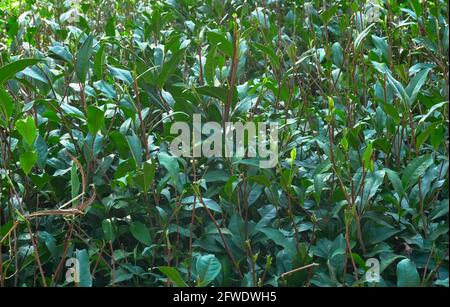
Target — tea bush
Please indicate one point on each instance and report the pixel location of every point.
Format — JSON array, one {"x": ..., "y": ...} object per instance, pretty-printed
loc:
[{"x": 89, "y": 90}]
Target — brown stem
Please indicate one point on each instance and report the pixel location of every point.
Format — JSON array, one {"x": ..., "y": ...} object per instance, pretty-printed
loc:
[
  {"x": 113, "y": 265},
  {"x": 232, "y": 78},
  {"x": 141, "y": 121},
  {"x": 211, "y": 216},
  {"x": 63, "y": 257},
  {"x": 299, "y": 269},
  {"x": 349, "y": 250},
  {"x": 199, "y": 54},
  {"x": 191, "y": 227}
]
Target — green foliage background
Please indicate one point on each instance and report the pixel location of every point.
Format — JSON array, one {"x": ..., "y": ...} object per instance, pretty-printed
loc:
[{"x": 359, "y": 89}]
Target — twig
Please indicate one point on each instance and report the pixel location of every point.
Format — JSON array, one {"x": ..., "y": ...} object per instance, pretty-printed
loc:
[{"x": 299, "y": 269}]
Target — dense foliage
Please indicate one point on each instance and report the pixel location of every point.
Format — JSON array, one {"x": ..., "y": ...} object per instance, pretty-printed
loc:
[{"x": 89, "y": 90}]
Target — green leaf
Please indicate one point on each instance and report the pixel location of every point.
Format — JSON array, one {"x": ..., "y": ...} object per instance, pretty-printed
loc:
[
  {"x": 170, "y": 163},
  {"x": 173, "y": 275},
  {"x": 359, "y": 39},
  {"x": 277, "y": 236},
  {"x": 121, "y": 275},
  {"x": 141, "y": 233},
  {"x": 108, "y": 230},
  {"x": 218, "y": 93},
  {"x": 84, "y": 268},
  {"x": 392, "y": 111},
  {"x": 416, "y": 84},
  {"x": 74, "y": 181},
  {"x": 431, "y": 111},
  {"x": 95, "y": 119},
  {"x": 99, "y": 63},
  {"x": 415, "y": 169},
  {"x": 27, "y": 129},
  {"x": 10, "y": 69},
  {"x": 437, "y": 138},
  {"x": 83, "y": 56},
  {"x": 208, "y": 267},
  {"x": 50, "y": 242},
  {"x": 440, "y": 210},
  {"x": 71, "y": 111},
  {"x": 136, "y": 149},
  {"x": 367, "y": 157},
  {"x": 106, "y": 89},
  {"x": 395, "y": 180},
  {"x": 210, "y": 66},
  {"x": 421, "y": 138},
  {"x": 209, "y": 203},
  {"x": 212, "y": 91},
  {"x": 61, "y": 53},
  {"x": 319, "y": 184},
  {"x": 33, "y": 73},
  {"x": 371, "y": 184},
  {"x": 407, "y": 275},
  {"x": 145, "y": 177},
  {"x": 169, "y": 67},
  {"x": 329, "y": 13},
  {"x": 27, "y": 161},
  {"x": 221, "y": 42},
  {"x": 42, "y": 150},
  {"x": 6, "y": 104},
  {"x": 121, "y": 74},
  {"x": 338, "y": 54},
  {"x": 110, "y": 28},
  {"x": 376, "y": 234},
  {"x": 382, "y": 45},
  {"x": 397, "y": 86},
  {"x": 270, "y": 53},
  {"x": 442, "y": 282}
]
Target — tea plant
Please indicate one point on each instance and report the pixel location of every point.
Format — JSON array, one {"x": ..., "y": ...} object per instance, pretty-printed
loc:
[{"x": 88, "y": 93}]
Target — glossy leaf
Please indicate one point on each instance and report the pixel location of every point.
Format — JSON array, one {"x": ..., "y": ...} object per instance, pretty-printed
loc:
[
  {"x": 95, "y": 118},
  {"x": 82, "y": 59},
  {"x": 407, "y": 275},
  {"x": 9, "y": 70},
  {"x": 27, "y": 129},
  {"x": 141, "y": 233},
  {"x": 208, "y": 267}
]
